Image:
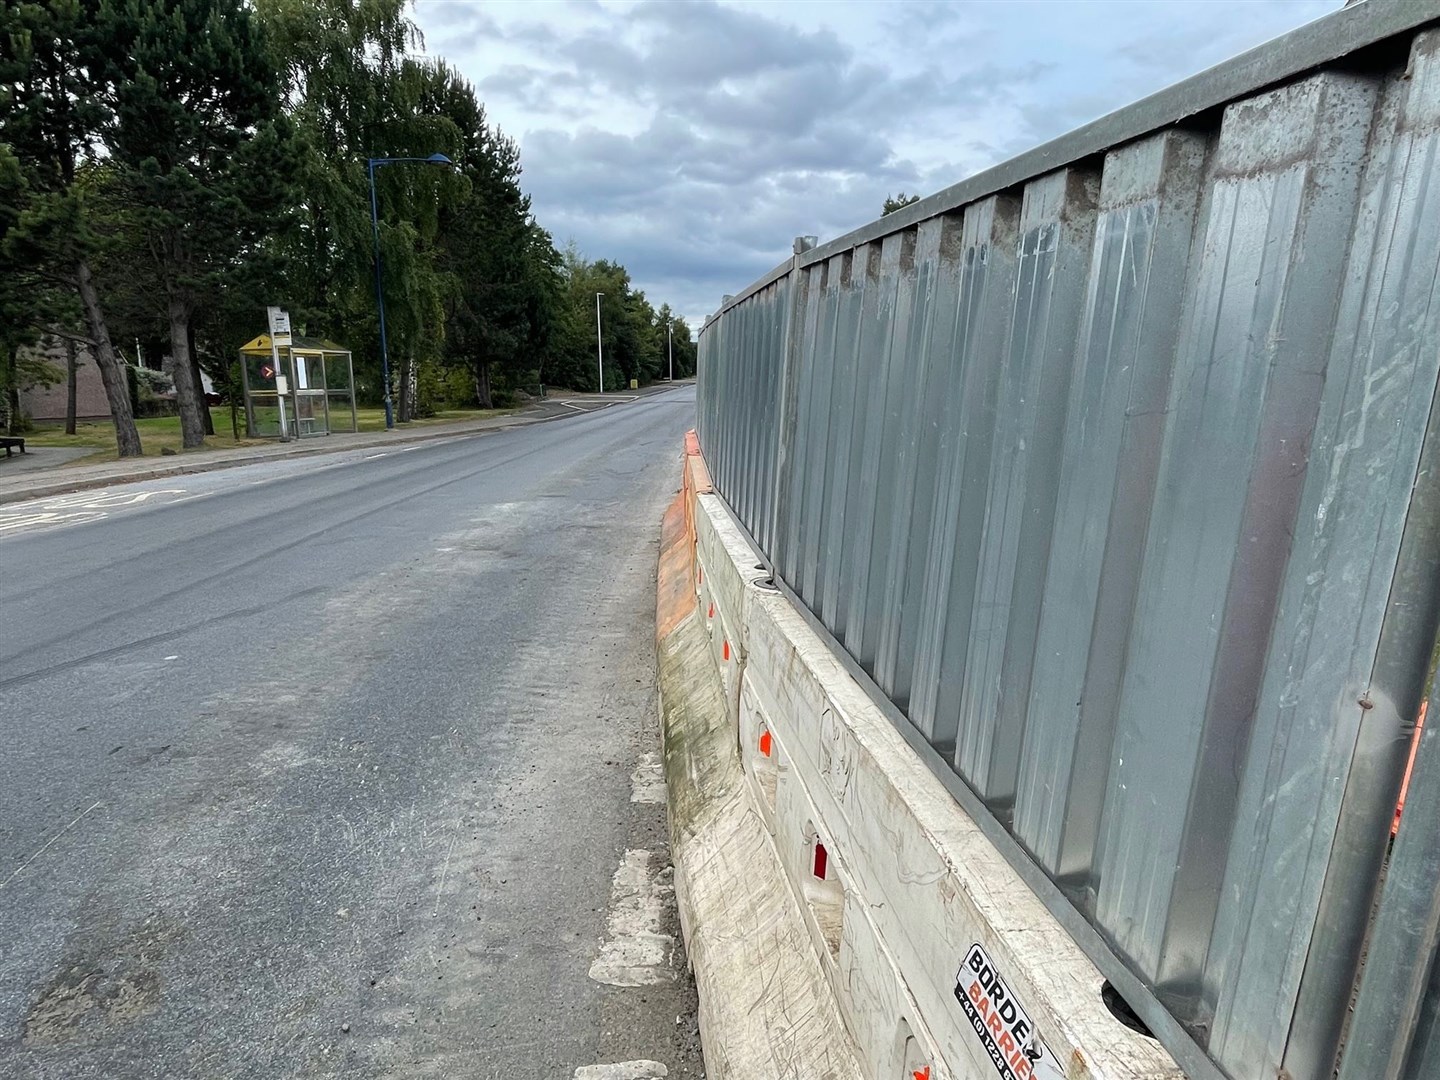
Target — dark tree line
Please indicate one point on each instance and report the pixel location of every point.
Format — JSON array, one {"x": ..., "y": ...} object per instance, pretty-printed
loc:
[{"x": 169, "y": 167}]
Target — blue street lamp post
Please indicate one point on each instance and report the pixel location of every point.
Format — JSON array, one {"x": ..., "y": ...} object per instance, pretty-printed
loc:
[{"x": 372, "y": 164}]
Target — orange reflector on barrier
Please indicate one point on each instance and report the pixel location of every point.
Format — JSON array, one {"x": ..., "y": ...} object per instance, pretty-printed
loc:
[
  {"x": 725, "y": 652},
  {"x": 711, "y": 615},
  {"x": 765, "y": 743}
]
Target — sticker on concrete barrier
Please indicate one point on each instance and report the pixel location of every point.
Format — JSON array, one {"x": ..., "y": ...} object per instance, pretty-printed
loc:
[{"x": 1004, "y": 1028}]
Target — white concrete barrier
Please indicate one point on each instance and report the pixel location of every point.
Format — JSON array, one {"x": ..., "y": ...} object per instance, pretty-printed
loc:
[{"x": 941, "y": 961}]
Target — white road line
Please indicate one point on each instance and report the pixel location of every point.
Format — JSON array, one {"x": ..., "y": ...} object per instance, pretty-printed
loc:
[
  {"x": 51, "y": 519},
  {"x": 91, "y": 500},
  {"x": 647, "y": 782},
  {"x": 622, "y": 1070},
  {"x": 372, "y": 457},
  {"x": 636, "y": 951},
  {"x": 28, "y": 519}
]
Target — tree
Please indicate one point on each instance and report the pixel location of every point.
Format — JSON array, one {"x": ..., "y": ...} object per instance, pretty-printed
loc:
[
  {"x": 686, "y": 352},
  {"x": 193, "y": 160},
  {"x": 672, "y": 333},
  {"x": 503, "y": 268},
  {"x": 354, "y": 93},
  {"x": 898, "y": 202},
  {"x": 16, "y": 312},
  {"x": 51, "y": 107},
  {"x": 198, "y": 150}
]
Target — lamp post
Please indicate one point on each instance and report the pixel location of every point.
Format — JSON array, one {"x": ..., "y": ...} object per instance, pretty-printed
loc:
[
  {"x": 670, "y": 346},
  {"x": 599, "y": 348},
  {"x": 371, "y": 165}
]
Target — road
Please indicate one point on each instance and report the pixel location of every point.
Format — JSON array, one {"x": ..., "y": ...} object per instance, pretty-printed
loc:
[{"x": 344, "y": 766}]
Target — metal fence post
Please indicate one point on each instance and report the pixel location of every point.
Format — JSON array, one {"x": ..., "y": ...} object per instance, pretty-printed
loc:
[
  {"x": 785, "y": 425},
  {"x": 1388, "y": 1040}
]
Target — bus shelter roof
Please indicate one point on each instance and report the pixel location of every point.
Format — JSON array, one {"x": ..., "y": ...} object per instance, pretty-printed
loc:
[{"x": 260, "y": 346}]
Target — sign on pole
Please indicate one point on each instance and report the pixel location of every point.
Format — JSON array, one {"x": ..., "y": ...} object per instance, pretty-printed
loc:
[
  {"x": 279, "y": 326},
  {"x": 279, "y": 337}
]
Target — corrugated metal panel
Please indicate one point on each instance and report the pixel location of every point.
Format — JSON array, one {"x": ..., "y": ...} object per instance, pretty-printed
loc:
[
  {"x": 986, "y": 274},
  {"x": 1124, "y": 486},
  {"x": 1114, "y": 427}
]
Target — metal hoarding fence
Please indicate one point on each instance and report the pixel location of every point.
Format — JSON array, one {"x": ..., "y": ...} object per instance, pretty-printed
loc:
[{"x": 1111, "y": 471}]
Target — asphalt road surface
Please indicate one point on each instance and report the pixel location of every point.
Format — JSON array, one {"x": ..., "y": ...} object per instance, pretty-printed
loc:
[{"x": 344, "y": 766}]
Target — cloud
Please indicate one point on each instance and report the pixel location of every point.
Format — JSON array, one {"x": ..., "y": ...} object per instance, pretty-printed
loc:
[{"x": 693, "y": 141}]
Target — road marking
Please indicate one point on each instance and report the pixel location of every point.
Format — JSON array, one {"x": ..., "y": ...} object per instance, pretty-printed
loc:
[
  {"x": 372, "y": 457},
  {"x": 622, "y": 1070},
  {"x": 31, "y": 520},
  {"x": 637, "y": 951},
  {"x": 77, "y": 508},
  {"x": 27, "y": 519},
  {"x": 647, "y": 782},
  {"x": 106, "y": 500}
]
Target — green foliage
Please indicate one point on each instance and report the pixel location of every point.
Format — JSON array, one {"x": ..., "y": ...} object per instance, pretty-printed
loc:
[
  {"x": 200, "y": 157},
  {"x": 47, "y": 111},
  {"x": 27, "y": 302},
  {"x": 197, "y": 160},
  {"x": 897, "y": 202},
  {"x": 633, "y": 334}
]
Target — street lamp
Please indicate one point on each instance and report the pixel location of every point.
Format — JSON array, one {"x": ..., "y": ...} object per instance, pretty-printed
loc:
[
  {"x": 599, "y": 349},
  {"x": 371, "y": 165},
  {"x": 670, "y": 346}
]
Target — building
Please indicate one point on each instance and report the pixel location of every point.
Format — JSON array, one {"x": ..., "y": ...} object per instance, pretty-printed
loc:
[{"x": 47, "y": 403}]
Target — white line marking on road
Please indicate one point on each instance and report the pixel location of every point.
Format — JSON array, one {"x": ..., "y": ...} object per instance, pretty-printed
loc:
[
  {"x": 51, "y": 518},
  {"x": 637, "y": 952},
  {"x": 28, "y": 519},
  {"x": 46, "y": 847},
  {"x": 647, "y": 782},
  {"x": 622, "y": 1070},
  {"x": 372, "y": 457},
  {"x": 105, "y": 500},
  {"x": 80, "y": 507}
]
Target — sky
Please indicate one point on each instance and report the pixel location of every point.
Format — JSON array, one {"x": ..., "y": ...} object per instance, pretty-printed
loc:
[{"x": 693, "y": 140}]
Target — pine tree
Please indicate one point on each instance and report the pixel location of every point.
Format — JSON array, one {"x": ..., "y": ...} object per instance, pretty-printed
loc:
[
  {"x": 502, "y": 285},
  {"x": 51, "y": 107},
  {"x": 199, "y": 152}
]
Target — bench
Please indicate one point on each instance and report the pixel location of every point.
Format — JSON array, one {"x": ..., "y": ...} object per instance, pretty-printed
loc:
[{"x": 10, "y": 443}]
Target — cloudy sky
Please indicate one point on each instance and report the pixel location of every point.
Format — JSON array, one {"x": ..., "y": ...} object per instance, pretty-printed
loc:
[{"x": 693, "y": 140}]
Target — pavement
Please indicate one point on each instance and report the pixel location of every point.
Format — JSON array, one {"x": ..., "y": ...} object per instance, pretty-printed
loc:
[
  {"x": 345, "y": 766},
  {"x": 35, "y": 474},
  {"x": 40, "y": 458}
]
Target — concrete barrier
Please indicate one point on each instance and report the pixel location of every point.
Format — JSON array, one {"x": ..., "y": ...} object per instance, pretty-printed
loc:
[
  {"x": 934, "y": 956},
  {"x": 765, "y": 1007}
]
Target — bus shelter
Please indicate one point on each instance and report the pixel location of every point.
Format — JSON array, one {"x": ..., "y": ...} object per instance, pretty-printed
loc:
[{"x": 317, "y": 378}]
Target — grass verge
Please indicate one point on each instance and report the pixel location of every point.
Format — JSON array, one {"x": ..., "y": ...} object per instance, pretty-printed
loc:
[{"x": 163, "y": 432}]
